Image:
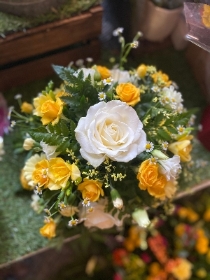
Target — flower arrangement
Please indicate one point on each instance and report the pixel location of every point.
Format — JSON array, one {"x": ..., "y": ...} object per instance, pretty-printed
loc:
[
  {"x": 104, "y": 146},
  {"x": 176, "y": 247}
]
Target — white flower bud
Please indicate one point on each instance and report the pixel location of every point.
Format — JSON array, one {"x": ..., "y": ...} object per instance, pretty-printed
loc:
[
  {"x": 118, "y": 203},
  {"x": 141, "y": 217},
  {"x": 28, "y": 144}
]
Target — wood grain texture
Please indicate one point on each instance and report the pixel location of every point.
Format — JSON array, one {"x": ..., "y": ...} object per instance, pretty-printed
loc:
[{"x": 50, "y": 37}]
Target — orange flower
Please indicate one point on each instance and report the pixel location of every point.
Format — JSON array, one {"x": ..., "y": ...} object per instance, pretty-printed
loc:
[
  {"x": 91, "y": 189},
  {"x": 161, "y": 79},
  {"x": 182, "y": 271},
  {"x": 182, "y": 148},
  {"x": 150, "y": 179},
  {"x": 202, "y": 243},
  {"x": 206, "y": 215},
  {"x": 49, "y": 229},
  {"x": 180, "y": 229},
  {"x": 26, "y": 108},
  {"x": 128, "y": 93},
  {"x": 104, "y": 72},
  {"x": 48, "y": 109}
]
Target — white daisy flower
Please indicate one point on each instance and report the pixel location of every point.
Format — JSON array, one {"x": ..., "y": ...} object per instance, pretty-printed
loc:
[{"x": 149, "y": 146}]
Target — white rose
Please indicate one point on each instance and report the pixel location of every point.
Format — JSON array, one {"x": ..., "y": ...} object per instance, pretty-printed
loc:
[
  {"x": 112, "y": 130},
  {"x": 120, "y": 76},
  {"x": 170, "y": 167},
  {"x": 98, "y": 217}
]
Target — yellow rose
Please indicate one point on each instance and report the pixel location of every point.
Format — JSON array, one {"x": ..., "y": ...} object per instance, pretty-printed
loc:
[
  {"x": 48, "y": 109},
  {"x": 161, "y": 79},
  {"x": 104, "y": 72},
  {"x": 142, "y": 70},
  {"x": 91, "y": 189},
  {"x": 24, "y": 182},
  {"x": 26, "y": 108},
  {"x": 128, "y": 93},
  {"x": 180, "y": 229},
  {"x": 182, "y": 271},
  {"x": 59, "y": 173},
  {"x": 150, "y": 179},
  {"x": 40, "y": 173},
  {"x": 182, "y": 148},
  {"x": 147, "y": 175},
  {"x": 48, "y": 230}
]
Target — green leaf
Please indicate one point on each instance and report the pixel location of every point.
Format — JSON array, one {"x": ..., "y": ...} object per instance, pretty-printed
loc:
[{"x": 164, "y": 134}]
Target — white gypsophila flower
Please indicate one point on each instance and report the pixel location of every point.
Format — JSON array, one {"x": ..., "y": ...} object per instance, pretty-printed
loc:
[
  {"x": 50, "y": 151},
  {"x": 98, "y": 217},
  {"x": 30, "y": 166},
  {"x": 18, "y": 96},
  {"x": 134, "y": 44},
  {"x": 170, "y": 167},
  {"x": 118, "y": 31},
  {"x": 89, "y": 59},
  {"x": 172, "y": 98},
  {"x": 86, "y": 72},
  {"x": 112, "y": 130}
]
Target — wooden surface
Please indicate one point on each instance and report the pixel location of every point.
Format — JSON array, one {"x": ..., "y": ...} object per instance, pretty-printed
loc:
[
  {"x": 40, "y": 68},
  {"x": 52, "y": 36}
]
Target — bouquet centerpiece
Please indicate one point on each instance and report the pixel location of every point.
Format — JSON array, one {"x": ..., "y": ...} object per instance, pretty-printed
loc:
[{"x": 105, "y": 146}]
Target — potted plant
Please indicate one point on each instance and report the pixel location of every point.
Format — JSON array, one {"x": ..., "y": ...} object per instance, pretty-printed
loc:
[{"x": 160, "y": 18}]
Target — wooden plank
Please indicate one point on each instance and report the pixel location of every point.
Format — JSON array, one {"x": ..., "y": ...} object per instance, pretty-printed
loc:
[
  {"x": 52, "y": 36},
  {"x": 41, "y": 68}
]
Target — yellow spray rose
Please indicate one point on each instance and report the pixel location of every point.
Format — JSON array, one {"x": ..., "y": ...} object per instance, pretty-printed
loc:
[
  {"x": 48, "y": 109},
  {"x": 161, "y": 79},
  {"x": 182, "y": 148},
  {"x": 128, "y": 93},
  {"x": 40, "y": 173},
  {"x": 182, "y": 271},
  {"x": 202, "y": 243},
  {"x": 26, "y": 108},
  {"x": 142, "y": 70},
  {"x": 60, "y": 172},
  {"x": 49, "y": 229},
  {"x": 24, "y": 182},
  {"x": 91, "y": 189},
  {"x": 150, "y": 179},
  {"x": 206, "y": 215},
  {"x": 104, "y": 72}
]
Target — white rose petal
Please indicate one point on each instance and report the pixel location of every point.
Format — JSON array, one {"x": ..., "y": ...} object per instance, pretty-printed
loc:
[{"x": 112, "y": 130}]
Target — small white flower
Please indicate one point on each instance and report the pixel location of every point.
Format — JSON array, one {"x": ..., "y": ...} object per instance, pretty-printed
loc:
[
  {"x": 102, "y": 96},
  {"x": 10, "y": 109},
  {"x": 18, "y": 96},
  {"x": 89, "y": 59},
  {"x": 155, "y": 89},
  {"x": 35, "y": 202},
  {"x": 79, "y": 63},
  {"x": 108, "y": 81},
  {"x": 192, "y": 120},
  {"x": 134, "y": 44},
  {"x": 164, "y": 145},
  {"x": 86, "y": 202},
  {"x": 180, "y": 129},
  {"x": 73, "y": 222},
  {"x": 172, "y": 98},
  {"x": 118, "y": 31},
  {"x": 13, "y": 123},
  {"x": 149, "y": 146},
  {"x": 38, "y": 190},
  {"x": 61, "y": 205}
]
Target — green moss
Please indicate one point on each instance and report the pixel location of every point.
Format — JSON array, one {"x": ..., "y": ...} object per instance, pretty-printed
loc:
[{"x": 10, "y": 23}]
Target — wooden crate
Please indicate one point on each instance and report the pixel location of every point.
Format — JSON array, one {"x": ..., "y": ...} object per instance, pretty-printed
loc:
[{"x": 27, "y": 56}]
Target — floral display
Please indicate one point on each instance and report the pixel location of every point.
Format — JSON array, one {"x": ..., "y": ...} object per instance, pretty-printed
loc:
[
  {"x": 105, "y": 146},
  {"x": 174, "y": 247}
]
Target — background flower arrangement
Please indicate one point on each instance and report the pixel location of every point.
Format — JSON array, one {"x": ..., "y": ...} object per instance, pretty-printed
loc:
[{"x": 105, "y": 146}]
